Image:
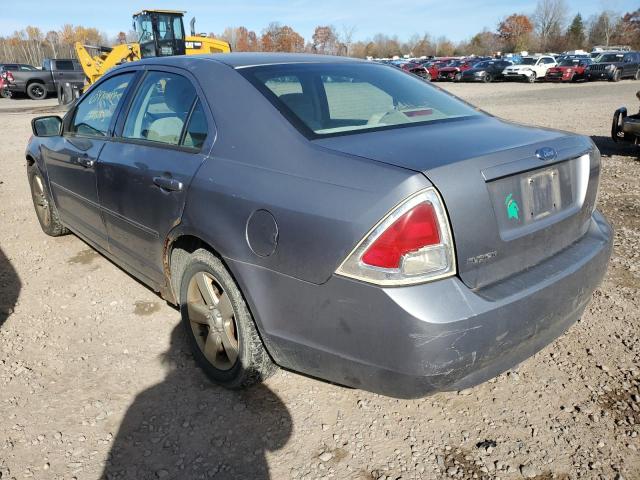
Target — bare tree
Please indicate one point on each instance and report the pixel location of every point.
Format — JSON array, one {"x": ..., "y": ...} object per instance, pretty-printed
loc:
[
  {"x": 549, "y": 17},
  {"x": 345, "y": 37},
  {"x": 604, "y": 28}
]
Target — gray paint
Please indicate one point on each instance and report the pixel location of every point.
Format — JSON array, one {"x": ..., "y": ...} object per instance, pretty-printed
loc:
[{"x": 322, "y": 197}]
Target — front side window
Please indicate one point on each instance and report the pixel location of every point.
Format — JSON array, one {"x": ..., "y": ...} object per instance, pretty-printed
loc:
[
  {"x": 160, "y": 108},
  {"x": 95, "y": 112},
  {"x": 328, "y": 99}
]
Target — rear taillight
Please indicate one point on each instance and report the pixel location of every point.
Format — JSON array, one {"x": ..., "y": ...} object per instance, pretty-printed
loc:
[{"x": 412, "y": 244}]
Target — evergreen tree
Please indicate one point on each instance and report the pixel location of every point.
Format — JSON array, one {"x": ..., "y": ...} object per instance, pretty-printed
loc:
[{"x": 576, "y": 33}]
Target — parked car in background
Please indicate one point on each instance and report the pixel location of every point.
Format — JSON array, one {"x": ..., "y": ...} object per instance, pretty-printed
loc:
[
  {"x": 626, "y": 128},
  {"x": 614, "y": 66},
  {"x": 4, "y": 90},
  {"x": 434, "y": 66},
  {"x": 453, "y": 71},
  {"x": 486, "y": 71},
  {"x": 286, "y": 210},
  {"x": 16, "y": 67},
  {"x": 55, "y": 73},
  {"x": 530, "y": 68},
  {"x": 413, "y": 67},
  {"x": 569, "y": 70}
]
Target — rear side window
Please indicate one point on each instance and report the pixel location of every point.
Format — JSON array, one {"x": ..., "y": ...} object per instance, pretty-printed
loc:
[
  {"x": 160, "y": 108},
  {"x": 64, "y": 65},
  {"x": 196, "y": 132},
  {"x": 94, "y": 114}
]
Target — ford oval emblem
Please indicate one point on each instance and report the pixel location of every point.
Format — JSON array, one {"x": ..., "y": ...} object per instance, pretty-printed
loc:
[{"x": 546, "y": 154}]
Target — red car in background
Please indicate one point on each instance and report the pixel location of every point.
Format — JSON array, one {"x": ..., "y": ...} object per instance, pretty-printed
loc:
[
  {"x": 453, "y": 71},
  {"x": 434, "y": 66},
  {"x": 5, "y": 79},
  {"x": 413, "y": 67},
  {"x": 569, "y": 70}
]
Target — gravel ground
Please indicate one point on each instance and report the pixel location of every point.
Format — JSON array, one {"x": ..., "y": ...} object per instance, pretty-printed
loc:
[{"x": 96, "y": 380}]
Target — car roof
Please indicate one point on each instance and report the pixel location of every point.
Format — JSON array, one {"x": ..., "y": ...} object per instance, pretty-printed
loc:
[{"x": 250, "y": 59}]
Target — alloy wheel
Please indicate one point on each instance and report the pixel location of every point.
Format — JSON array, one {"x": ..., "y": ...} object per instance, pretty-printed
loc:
[{"x": 212, "y": 320}]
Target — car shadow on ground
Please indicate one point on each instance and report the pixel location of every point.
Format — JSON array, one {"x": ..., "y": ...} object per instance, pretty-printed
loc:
[
  {"x": 10, "y": 286},
  {"x": 608, "y": 147},
  {"x": 186, "y": 427}
]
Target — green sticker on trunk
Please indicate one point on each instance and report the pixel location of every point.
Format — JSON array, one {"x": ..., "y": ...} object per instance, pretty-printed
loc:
[{"x": 513, "y": 210}]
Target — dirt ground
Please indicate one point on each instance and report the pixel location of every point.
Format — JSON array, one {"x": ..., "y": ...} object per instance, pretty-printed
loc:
[{"x": 96, "y": 380}]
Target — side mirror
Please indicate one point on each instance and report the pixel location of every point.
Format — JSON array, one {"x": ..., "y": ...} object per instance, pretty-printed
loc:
[{"x": 49, "y": 126}]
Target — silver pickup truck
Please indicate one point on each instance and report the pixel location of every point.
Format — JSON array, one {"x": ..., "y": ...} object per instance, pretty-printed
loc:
[{"x": 56, "y": 76}]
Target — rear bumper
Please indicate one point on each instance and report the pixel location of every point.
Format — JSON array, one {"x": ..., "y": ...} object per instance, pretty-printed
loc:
[{"x": 410, "y": 341}]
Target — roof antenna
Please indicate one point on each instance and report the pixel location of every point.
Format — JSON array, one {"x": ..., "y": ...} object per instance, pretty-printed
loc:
[{"x": 193, "y": 26}]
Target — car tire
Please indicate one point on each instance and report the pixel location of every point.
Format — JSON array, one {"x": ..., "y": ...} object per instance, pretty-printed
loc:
[
  {"x": 532, "y": 78},
  {"x": 5, "y": 93},
  {"x": 36, "y": 91},
  {"x": 45, "y": 209},
  {"x": 457, "y": 77},
  {"x": 220, "y": 330},
  {"x": 616, "y": 76},
  {"x": 488, "y": 78},
  {"x": 637, "y": 75}
]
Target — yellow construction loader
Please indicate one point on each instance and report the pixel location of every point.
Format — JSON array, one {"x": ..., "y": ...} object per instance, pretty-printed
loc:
[{"x": 160, "y": 34}]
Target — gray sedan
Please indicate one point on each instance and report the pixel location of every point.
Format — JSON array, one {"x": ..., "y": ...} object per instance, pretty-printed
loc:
[{"x": 335, "y": 217}]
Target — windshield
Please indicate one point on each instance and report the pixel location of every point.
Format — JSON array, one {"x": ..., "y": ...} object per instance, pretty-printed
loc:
[
  {"x": 609, "y": 57},
  {"x": 528, "y": 61},
  {"x": 330, "y": 99},
  {"x": 483, "y": 64},
  {"x": 569, "y": 63}
]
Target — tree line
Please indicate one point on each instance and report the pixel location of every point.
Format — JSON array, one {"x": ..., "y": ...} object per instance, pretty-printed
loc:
[{"x": 549, "y": 28}]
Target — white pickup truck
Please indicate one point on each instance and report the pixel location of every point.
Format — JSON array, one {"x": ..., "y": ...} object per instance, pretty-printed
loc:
[{"x": 530, "y": 68}]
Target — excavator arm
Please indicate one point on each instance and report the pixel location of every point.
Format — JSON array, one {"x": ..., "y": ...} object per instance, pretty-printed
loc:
[{"x": 94, "y": 66}]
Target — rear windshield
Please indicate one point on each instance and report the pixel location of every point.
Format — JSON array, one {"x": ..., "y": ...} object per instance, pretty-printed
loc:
[
  {"x": 336, "y": 99},
  {"x": 528, "y": 61}
]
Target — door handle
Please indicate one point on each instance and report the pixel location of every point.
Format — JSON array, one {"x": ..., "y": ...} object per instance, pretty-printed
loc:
[
  {"x": 86, "y": 162},
  {"x": 167, "y": 183}
]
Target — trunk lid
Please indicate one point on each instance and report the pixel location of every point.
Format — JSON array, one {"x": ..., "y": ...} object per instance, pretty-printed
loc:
[{"x": 509, "y": 210}]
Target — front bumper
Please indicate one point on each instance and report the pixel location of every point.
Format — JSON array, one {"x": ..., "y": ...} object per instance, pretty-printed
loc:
[
  {"x": 598, "y": 75},
  {"x": 410, "y": 341},
  {"x": 472, "y": 78},
  {"x": 515, "y": 76},
  {"x": 447, "y": 76},
  {"x": 559, "y": 77}
]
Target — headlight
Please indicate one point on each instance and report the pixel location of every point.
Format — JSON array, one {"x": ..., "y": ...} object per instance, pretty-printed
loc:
[
  {"x": 610, "y": 67},
  {"x": 569, "y": 70}
]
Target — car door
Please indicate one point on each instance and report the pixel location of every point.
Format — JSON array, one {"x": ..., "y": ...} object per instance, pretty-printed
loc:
[
  {"x": 63, "y": 71},
  {"x": 629, "y": 65},
  {"x": 71, "y": 159},
  {"x": 143, "y": 177}
]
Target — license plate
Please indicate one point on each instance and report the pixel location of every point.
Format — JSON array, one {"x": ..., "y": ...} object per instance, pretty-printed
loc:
[{"x": 541, "y": 194}]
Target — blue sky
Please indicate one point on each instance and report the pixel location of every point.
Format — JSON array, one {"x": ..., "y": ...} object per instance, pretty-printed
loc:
[{"x": 457, "y": 19}]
